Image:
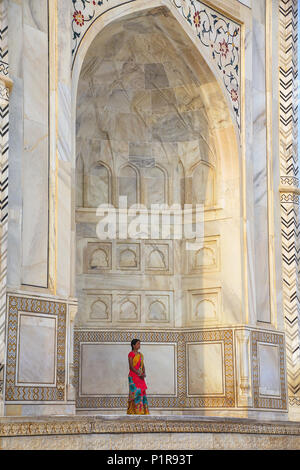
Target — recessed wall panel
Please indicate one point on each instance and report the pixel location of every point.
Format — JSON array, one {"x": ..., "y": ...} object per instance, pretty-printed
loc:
[
  {"x": 36, "y": 349},
  {"x": 35, "y": 145}
]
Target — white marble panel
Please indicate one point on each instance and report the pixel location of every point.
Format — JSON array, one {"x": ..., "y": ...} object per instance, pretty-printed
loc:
[
  {"x": 205, "y": 369},
  {"x": 35, "y": 154},
  {"x": 269, "y": 370},
  {"x": 35, "y": 67},
  {"x": 35, "y": 204},
  {"x": 104, "y": 369},
  {"x": 160, "y": 368},
  {"x": 36, "y": 349}
]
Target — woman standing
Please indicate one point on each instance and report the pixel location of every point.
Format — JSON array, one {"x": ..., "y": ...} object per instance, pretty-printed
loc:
[{"x": 137, "y": 400}]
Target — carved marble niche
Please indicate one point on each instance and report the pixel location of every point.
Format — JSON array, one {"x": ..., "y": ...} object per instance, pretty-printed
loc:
[
  {"x": 129, "y": 184},
  {"x": 206, "y": 258},
  {"x": 204, "y": 306},
  {"x": 128, "y": 256},
  {"x": 200, "y": 186},
  {"x": 98, "y": 185},
  {"x": 98, "y": 257}
]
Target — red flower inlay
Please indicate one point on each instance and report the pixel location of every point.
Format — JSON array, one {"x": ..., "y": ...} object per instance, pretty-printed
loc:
[
  {"x": 234, "y": 95},
  {"x": 224, "y": 48},
  {"x": 197, "y": 21},
  {"x": 79, "y": 18}
]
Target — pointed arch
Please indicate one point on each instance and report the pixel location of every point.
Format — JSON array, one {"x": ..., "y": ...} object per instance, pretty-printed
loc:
[
  {"x": 129, "y": 183},
  {"x": 156, "y": 185},
  {"x": 203, "y": 184},
  {"x": 99, "y": 182}
]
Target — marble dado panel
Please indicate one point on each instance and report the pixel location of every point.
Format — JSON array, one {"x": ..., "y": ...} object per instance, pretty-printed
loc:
[
  {"x": 164, "y": 352},
  {"x": 268, "y": 362},
  {"x": 130, "y": 307},
  {"x": 99, "y": 360},
  {"x": 140, "y": 257},
  {"x": 185, "y": 369},
  {"x": 36, "y": 352},
  {"x": 36, "y": 345},
  {"x": 219, "y": 37}
]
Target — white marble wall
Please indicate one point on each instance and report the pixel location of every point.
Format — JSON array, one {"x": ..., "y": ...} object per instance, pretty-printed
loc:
[{"x": 145, "y": 96}]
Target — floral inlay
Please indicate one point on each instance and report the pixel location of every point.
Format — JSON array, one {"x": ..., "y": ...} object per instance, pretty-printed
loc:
[
  {"x": 222, "y": 37},
  {"x": 78, "y": 18},
  {"x": 218, "y": 35}
]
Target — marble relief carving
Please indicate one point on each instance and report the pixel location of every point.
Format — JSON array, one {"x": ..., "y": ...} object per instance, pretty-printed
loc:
[
  {"x": 100, "y": 307},
  {"x": 142, "y": 257},
  {"x": 204, "y": 305},
  {"x": 157, "y": 308},
  {"x": 206, "y": 258},
  {"x": 98, "y": 257},
  {"x": 131, "y": 307},
  {"x": 85, "y": 425},
  {"x": 128, "y": 256}
]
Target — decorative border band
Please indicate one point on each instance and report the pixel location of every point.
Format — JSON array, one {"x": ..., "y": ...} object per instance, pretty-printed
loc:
[
  {"x": 31, "y": 393},
  {"x": 94, "y": 425}
]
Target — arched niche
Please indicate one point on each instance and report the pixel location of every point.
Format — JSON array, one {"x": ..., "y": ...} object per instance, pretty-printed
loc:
[
  {"x": 98, "y": 185},
  {"x": 203, "y": 184},
  {"x": 156, "y": 185},
  {"x": 214, "y": 137},
  {"x": 129, "y": 184},
  {"x": 152, "y": 103}
]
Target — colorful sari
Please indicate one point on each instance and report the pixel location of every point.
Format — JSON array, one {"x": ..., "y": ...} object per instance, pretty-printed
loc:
[{"x": 137, "y": 400}]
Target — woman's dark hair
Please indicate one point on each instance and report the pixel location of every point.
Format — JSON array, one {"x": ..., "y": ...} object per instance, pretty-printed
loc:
[{"x": 133, "y": 342}]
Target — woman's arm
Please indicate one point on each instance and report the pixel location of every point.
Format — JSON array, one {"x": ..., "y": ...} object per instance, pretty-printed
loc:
[{"x": 131, "y": 366}]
